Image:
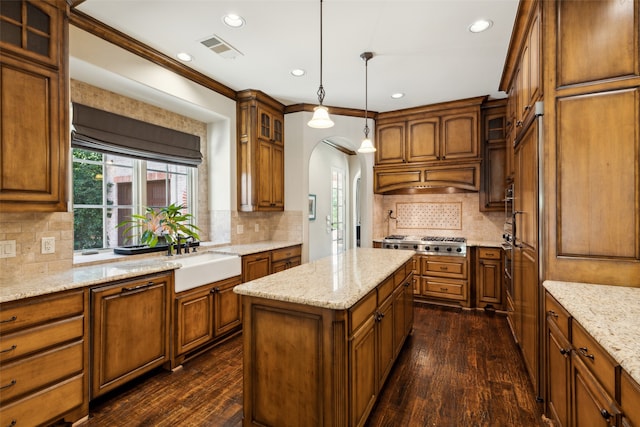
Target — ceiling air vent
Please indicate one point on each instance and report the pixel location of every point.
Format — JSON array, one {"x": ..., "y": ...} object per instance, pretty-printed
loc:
[{"x": 222, "y": 48}]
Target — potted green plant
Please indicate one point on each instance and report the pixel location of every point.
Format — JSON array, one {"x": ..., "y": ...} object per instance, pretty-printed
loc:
[{"x": 165, "y": 224}]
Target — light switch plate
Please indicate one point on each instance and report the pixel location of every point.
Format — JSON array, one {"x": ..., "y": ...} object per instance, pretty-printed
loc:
[
  {"x": 240, "y": 229},
  {"x": 7, "y": 249}
]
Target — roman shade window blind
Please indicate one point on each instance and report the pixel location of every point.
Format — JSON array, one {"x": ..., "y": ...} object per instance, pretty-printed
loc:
[{"x": 99, "y": 130}]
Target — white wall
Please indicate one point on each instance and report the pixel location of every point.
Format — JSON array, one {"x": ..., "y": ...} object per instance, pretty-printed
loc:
[{"x": 299, "y": 145}]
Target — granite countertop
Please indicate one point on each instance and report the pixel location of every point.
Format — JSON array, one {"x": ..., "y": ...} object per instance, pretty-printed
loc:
[
  {"x": 611, "y": 315},
  {"x": 14, "y": 289},
  {"x": 252, "y": 248},
  {"x": 109, "y": 268},
  {"x": 335, "y": 282}
]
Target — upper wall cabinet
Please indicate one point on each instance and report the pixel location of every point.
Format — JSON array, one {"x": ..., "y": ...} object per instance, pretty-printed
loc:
[
  {"x": 34, "y": 97},
  {"x": 494, "y": 160},
  {"x": 260, "y": 152},
  {"x": 413, "y": 143}
]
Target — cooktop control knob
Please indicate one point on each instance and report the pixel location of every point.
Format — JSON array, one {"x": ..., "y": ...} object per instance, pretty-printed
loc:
[
  {"x": 415, "y": 246},
  {"x": 395, "y": 246},
  {"x": 437, "y": 248},
  {"x": 458, "y": 249},
  {"x": 448, "y": 249},
  {"x": 427, "y": 248}
]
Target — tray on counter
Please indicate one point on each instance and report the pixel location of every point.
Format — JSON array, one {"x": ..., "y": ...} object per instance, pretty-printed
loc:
[{"x": 144, "y": 249}]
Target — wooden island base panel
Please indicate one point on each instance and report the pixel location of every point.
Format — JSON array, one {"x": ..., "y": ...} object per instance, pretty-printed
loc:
[{"x": 321, "y": 338}]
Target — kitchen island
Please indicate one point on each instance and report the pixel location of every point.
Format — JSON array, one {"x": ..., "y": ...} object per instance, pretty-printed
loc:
[{"x": 321, "y": 338}]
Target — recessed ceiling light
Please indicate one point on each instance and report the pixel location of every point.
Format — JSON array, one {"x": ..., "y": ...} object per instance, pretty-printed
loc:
[
  {"x": 397, "y": 95},
  {"x": 480, "y": 25},
  {"x": 185, "y": 57},
  {"x": 298, "y": 72},
  {"x": 233, "y": 20}
]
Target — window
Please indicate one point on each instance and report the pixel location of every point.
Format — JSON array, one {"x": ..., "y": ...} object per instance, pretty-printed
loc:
[{"x": 107, "y": 189}]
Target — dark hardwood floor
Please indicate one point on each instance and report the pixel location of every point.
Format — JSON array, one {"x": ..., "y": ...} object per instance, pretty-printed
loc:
[{"x": 458, "y": 369}]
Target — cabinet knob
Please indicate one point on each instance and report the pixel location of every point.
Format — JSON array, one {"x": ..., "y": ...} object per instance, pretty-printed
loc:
[
  {"x": 519, "y": 123},
  {"x": 11, "y": 384},
  {"x": 605, "y": 414},
  {"x": 553, "y": 314},
  {"x": 527, "y": 107},
  {"x": 214, "y": 290},
  {"x": 564, "y": 351}
]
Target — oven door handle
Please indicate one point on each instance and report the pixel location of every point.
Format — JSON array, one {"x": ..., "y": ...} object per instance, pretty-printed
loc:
[{"x": 515, "y": 228}]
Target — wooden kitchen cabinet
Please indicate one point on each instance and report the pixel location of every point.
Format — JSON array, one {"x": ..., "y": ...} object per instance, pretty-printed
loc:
[
  {"x": 494, "y": 156},
  {"x": 592, "y": 235},
  {"x": 591, "y": 405},
  {"x": 44, "y": 361},
  {"x": 34, "y": 118},
  {"x": 629, "y": 398},
  {"x": 285, "y": 258},
  {"x": 203, "y": 315},
  {"x": 260, "y": 152},
  {"x": 488, "y": 276},
  {"x": 255, "y": 266},
  {"x": 558, "y": 363},
  {"x": 426, "y": 147},
  {"x": 444, "y": 280},
  {"x": 130, "y": 330}
]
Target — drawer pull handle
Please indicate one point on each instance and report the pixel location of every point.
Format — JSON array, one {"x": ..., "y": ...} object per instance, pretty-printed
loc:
[
  {"x": 214, "y": 290},
  {"x": 443, "y": 268},
  {"x": 11, "y": 384},
  {"x": 9, "y": 320},
  {"x": 407, "y": 284},
  {"x": 585, "y": 353},
  {"x": 444, "y": 289},
  {"x": 13, "y": 423},
  {"x": 553, "y": 314},
  {"x": 6, "y": 350},
  {"x": 605, "y": 414},
  {"x": 137, "y": 288}
]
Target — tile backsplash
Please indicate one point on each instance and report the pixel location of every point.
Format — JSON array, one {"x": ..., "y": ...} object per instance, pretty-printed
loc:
[
  {"x": 452, "y": 215},
  {"x": 28, "y": 229}
]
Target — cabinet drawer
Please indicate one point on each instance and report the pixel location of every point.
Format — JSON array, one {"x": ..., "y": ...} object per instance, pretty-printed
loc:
[
  {"x": 445, "y": 267},
  {"x": 38, "y": 338},
  {"x": 45, "y": 406},
  {"x": 601, "y": 365},
  {"x": 362, "y": 311},
  {"x": 450, "y": 289},
  {"x": 629, "y": 399},
  {"x": 37, "y": 371},
  {"x": 386, "y": 288},
  {"x": 489, "y": 253},
  {"x": 20, "y": 315},
  {"x": 285, "y": 253},
  {"x": 557, "y": 314}
]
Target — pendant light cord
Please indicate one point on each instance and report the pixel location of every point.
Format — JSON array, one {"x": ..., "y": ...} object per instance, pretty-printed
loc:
[
  {"x": 366, "y": 96},
  {"x": 320, "y": 88}
]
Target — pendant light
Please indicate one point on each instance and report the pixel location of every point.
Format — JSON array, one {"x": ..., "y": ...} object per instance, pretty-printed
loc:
[
  {"x": 367, "y": 145},
  {"x": 320, "y": 119}
]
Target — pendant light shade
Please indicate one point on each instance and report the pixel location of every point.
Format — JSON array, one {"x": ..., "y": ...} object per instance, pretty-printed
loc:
[
  {"x": 367, "y": 145},
  {"x": 320, "y": 119}
]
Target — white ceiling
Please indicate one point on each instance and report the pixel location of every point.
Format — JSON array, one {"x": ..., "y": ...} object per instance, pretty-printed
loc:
[{"x": 421, "y": 47}]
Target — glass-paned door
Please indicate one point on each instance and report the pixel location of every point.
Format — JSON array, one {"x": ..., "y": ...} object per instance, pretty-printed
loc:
[{"x": 337, "y": 211}]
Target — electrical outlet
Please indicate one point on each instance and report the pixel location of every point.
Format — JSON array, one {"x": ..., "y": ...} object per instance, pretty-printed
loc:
[
  {"x": 257, "y": 228},
  {"x": 48, "y": 245},
  {"x": 7, "y": 249},
  {"x": 240, "y": 229}
]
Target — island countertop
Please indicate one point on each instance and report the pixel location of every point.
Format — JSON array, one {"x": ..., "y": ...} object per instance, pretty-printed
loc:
[
  {"x": 610, "y": 314},
  {"x": 336, "y": 282}
]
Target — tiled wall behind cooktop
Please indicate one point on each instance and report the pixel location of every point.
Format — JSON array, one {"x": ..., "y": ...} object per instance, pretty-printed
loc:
[{"x": 431, "y": 216}]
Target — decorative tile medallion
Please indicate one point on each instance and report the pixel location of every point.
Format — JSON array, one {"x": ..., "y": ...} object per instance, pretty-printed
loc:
[{"x": 436, "y": 216}]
